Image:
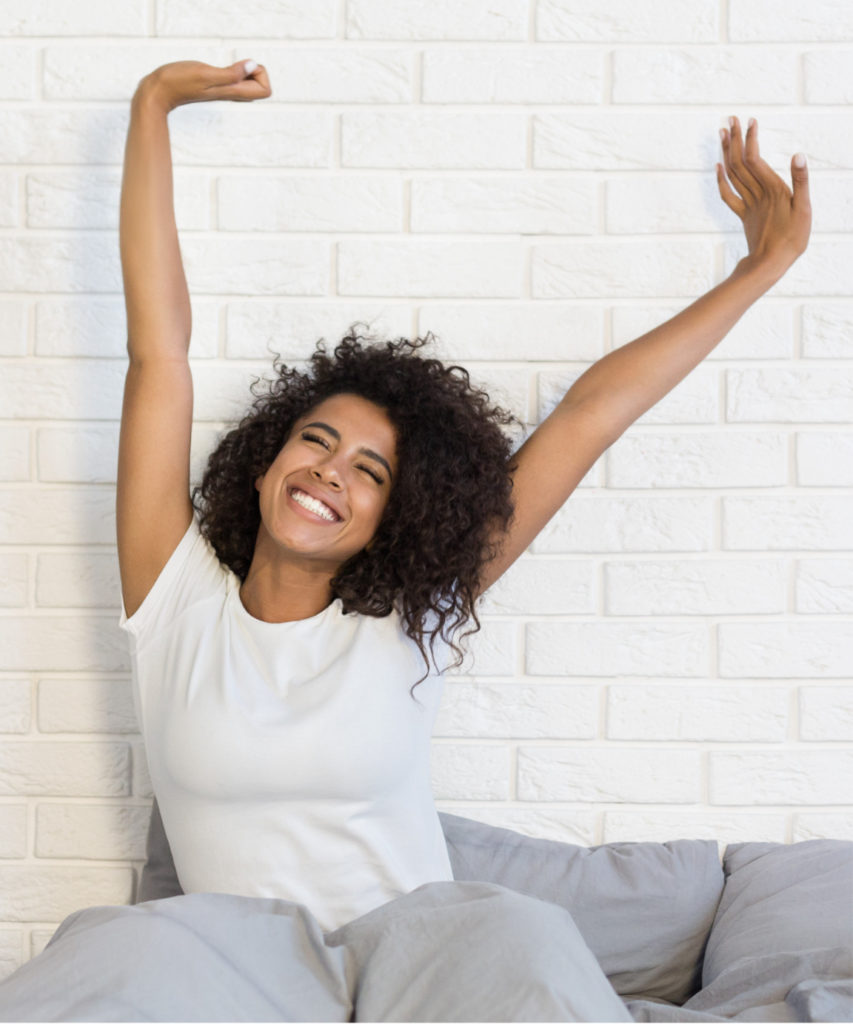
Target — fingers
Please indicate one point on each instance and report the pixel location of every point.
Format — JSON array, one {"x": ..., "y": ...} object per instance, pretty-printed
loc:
[
  {"x": 730, "y": 198},
  {"x": 736, "y": 161},
  {"x": 800, "y": 177}
]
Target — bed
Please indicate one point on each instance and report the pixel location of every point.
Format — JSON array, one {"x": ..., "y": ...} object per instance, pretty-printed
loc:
[{"x": 761, "y": 932}]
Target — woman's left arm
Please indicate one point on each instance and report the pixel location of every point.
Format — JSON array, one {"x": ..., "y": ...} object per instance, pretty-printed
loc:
[{"x": 615, "y": 391}]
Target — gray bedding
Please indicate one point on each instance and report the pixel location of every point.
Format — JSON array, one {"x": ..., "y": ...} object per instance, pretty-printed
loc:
[{"x": 529, "y": 930}]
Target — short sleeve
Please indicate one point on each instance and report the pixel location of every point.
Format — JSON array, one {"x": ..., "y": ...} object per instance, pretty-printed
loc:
[{"x": 192, "y": 574}]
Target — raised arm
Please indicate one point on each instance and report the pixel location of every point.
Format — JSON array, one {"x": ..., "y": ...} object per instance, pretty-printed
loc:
[
  {"x": 153, "y": 507},
  {"x": 615, "y": 391}
]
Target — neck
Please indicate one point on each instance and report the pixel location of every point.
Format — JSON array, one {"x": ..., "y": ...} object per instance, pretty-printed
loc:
[{"x": 279, "y": 589}]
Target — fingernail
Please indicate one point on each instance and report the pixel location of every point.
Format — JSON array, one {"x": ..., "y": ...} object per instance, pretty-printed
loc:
[
  {"x": 731, "y": 123},
  {"x": 751, "y": 123},
  {"x": 250, "y": 66},
  {"x": 723, "y": 134},
  {"x": 800, "y": 160}
]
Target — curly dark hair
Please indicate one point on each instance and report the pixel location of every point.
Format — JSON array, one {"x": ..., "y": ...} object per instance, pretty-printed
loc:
[{"x": 453, "y": 487}]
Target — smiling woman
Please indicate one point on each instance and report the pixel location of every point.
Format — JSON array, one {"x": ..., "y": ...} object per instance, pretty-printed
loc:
[{"x": 371, "y": 431}]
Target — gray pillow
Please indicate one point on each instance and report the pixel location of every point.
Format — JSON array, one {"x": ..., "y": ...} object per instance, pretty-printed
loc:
[{"x": 644, "y": 909}]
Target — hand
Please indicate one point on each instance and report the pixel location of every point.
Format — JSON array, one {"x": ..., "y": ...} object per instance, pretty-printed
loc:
[
  {"x": 776, "y": 223},
  {"x": 191, "y": 81}
]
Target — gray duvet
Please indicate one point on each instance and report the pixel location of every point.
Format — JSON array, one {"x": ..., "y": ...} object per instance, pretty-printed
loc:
[{"x": 529, "y": 930}]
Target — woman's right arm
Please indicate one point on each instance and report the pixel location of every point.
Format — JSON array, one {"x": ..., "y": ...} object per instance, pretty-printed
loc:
[{"x": 153, "y": 507}]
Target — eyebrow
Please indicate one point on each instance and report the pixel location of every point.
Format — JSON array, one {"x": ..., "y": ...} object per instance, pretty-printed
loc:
[{"x": 369, "y": 452}]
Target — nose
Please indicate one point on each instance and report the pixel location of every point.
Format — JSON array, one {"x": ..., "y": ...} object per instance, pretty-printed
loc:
[{"x": 327, "y": 472}]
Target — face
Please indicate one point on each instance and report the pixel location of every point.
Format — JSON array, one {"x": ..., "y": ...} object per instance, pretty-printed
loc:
[{"x": 324, "y": 495}]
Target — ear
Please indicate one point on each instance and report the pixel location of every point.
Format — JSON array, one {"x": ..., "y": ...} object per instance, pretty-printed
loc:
[{"x": 259, "y": 480}]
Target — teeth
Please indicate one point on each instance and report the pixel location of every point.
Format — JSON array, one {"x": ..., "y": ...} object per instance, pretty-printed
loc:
[{"x": 306, "y": 501}]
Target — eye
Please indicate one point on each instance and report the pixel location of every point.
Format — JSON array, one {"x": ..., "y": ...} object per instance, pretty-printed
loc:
[
  {"x": 370, "y": 472},
  {"x": 314, "y": 437}
]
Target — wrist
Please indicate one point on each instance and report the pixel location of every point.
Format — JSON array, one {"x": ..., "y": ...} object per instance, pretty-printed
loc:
[
  {"x": 149, "y": 97},
  {"x": 763, "y": 272}
]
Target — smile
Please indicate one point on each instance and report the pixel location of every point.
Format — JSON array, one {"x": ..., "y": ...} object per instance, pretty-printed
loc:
[{"x": 313, "y": 505}]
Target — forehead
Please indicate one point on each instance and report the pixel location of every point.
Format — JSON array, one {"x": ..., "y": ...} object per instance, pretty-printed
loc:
[{"x": 354, "y": 415}]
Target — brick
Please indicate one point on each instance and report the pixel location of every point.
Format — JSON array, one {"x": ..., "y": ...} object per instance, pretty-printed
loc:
[
  {"x": 15, "y": 702},
  {"x": 91, "y": 831},
  {"x": 213, "y": 134},
  {"x": 671, "y": 203},
  {"x": 826, "y": 713},
  {"x": 255, "y": 329},
  {"x": 827, "y": 76},
  {"x": 822, "y": 273},
  {"x": 629, "y": 524},
  {"x": 63, "y": 515},
  {"x": 514, "y": 710},
  {"x": 620, "y": 268},
  {"x": 785, "y": 650},
  {"x": 30, "y": 768},
  {"x": 719, "y": 75},
  {"x": 443, "y": 19},
  {"x": 565, "y": 825},
  {"x": 72, "y": 643},
  {"x": 90, "y": 390},
  {"x": 616, "y": 648},
  {"x": 693, "y": 400},
  {"x": 765, "y": 331},
  {"x": 827, "y": 328},
  {"x": 78, "y": 455},
  {"x": 824, "y": 586},
  {"x": 492, "y": 650},
  {"x": 254, "y": 18},
  {"x": 469, "y": 771},
  {"x": 619, "y": 139},
  {"x": 37, "y": 264},
  {"x": 141, "y": 777},
  {"x": 17, "y": 70},
  {"x": 822, "y": 825},
  {"x": 697, "y": 713},
  {"x": 113, "y": 71},
  {"x": 8, "y": 198},
  {"x": 765, "y": 21},
  {"x": 496, "y": 205},
  {"x": 407, "y": 267},
  {"x": 86, "y": 705},
  {"x": 77, "y": 580},
  {"x": 256, "y": 266},
  {"x": 94, "y": 18},
  {"x": 345, "y": 74},
  {"x": 14, "y": 573},
  {"x": 695, "y": 587},
  {"x": 13, "y": 831},
  {"x": 617, "y": 775},
  {"x": 92, "y": 199},
  {"x": 525, "y": 75},
  {"x": 791, "y": 776},
  {"x": 13, "y": 328},
  {"x": 221, "y": 390},
  {"x": 11, "y": 951},
  {"x": 544, "y": 586},
  {"x": 14, "y": 453},
  {"x": 98, "y": 328},
  {"x": 526, "y": 332},
  {"x": 821, "y": 522},
  {"x": 832, "y": 203},
  {"x": 713, "y": 459},
  {"x": 627, "y": 22},
  {"x": 661, "y": 826},
  {"x": 329, "y": 203},
  {"x": 824, "y": 459},
  {"x": 433, "y": 138},
  {"x": 51, "y": 893},
  {"x": 789, "y": 395}
]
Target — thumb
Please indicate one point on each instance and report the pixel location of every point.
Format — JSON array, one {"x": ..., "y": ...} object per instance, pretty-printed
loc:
[{"x": 800, "y": 178}]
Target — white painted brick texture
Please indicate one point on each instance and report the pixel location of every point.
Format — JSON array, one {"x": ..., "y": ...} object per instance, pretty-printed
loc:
[{"x": 533, "y": 182}]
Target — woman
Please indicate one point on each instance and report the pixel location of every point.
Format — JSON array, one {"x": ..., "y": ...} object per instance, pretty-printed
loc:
[{"x": 340, "y": 540}]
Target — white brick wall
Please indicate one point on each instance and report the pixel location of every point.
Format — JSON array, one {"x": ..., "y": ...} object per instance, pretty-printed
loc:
[{"x": 533, "y": 181}]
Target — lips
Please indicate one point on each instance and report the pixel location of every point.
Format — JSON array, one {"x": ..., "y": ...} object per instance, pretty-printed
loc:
[{"x": 313, "y": 493}]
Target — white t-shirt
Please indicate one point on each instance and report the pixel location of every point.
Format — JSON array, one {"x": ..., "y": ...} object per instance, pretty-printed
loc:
[{"x": 288, "y": 759}]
